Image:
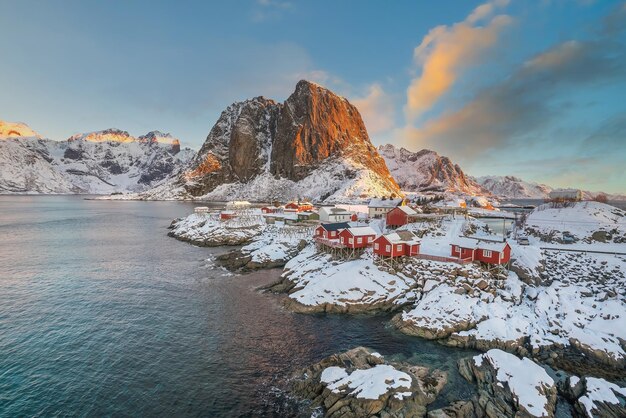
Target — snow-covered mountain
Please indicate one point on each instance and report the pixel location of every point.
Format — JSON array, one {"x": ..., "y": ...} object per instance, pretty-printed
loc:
[
  {"x": 314, "y": 145},
  {"x": 97, "y": 162},
  {"x": 426, "y": 171},
  {"x": 511, "y": 187}
]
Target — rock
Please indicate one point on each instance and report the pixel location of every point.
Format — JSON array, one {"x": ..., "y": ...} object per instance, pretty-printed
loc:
[
  {"x": 482, "y": 285},
  {"x": 459, "y": 409},
  {"x": 359, "y": 383},
  {"x": 508, "y": 386},
  {"x": 594, "y": 397}
]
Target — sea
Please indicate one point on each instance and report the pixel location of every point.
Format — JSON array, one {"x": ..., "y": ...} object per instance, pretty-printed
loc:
[{"x": 102, "y": 314}]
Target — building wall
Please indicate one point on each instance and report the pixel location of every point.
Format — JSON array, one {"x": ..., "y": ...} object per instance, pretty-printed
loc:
[
  {"x": 365, "y": 239},
  {"x": 396, "y": 217},
  {"x": 382, "y": 248}
]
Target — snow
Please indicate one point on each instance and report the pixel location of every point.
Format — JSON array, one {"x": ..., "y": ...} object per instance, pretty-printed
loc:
[
  {"x": 580, "y": 220},
  {"x": 527, "y": 380},
  {"x": 367, "y": 383},
  {"x": 352, "y": 282},
  {"x": 599, "y": 390},
  {"x": 513, "y": 187},
  {"x": 361, "y": 231}
]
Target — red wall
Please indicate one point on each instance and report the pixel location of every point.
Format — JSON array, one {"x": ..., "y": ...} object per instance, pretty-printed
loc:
[
  {"x": 346, "y": 235},
  {"x": 396, "y": 217},
  {"x": 478, "y": 255},
  {"x": 382, "y": 248}
]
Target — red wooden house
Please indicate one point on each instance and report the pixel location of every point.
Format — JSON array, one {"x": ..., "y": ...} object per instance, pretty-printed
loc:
[
  {"x": 330, "y": 231},
  {"x": 298, "y": 207},
  {"x": 400, "y": 215},
  {"x": 357, "y": 237},
  {"x": 269, "y": 209},
  {"x": 485, "y": 251},
  {"x": 396, "y": 244}
]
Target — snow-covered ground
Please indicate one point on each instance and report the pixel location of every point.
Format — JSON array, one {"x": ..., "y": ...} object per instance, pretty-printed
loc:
[{"x": 367, "y": 383}]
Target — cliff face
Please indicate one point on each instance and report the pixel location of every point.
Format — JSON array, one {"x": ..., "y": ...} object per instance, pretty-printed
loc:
[
  {"x": 265, "y": 143},
  {"x": 426, "y": 170}
]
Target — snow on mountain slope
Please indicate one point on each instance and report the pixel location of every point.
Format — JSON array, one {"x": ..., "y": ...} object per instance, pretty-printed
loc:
[
  {"x": 426, "y": 170},
  {"x": 26, "y": 167},
  {"x": 99, "y": 162},
  {"x": 513, "y": 187}
]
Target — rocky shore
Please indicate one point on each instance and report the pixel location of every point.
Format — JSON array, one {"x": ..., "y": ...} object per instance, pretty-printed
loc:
[
  {"x": 361, "y": 383},
  {"x": 207, "y": 231}
]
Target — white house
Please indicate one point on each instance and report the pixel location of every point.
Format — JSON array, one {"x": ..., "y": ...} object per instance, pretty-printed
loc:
[
  {"x": 334, "y": 214},
  {"x": 201, "y": 209},
  {"x": 378, "y": 208}
]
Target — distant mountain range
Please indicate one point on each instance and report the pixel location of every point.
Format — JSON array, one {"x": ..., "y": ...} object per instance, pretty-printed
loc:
[
  {"x": 314, "y": 145},
  {"x": 99, "y": 162}
]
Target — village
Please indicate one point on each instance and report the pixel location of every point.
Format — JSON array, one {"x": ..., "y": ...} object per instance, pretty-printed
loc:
[{"x": 383, "y": 226}]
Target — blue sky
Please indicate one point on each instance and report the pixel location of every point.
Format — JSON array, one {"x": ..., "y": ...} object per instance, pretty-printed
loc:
[{"x": 530, "y": 88}]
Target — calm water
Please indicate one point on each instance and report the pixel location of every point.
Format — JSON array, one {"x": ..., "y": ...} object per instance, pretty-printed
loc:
[{"x": 101, "y": 314}]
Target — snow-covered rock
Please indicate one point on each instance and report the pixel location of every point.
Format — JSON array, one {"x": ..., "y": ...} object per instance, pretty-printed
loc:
[
  {"x": 509, "y": 386},
  {"x": 209, "y": 231},
  {"x": 513, "y": 187},
  {"x": 360, "y": 383},
  {"x": 427, "y": 171}
]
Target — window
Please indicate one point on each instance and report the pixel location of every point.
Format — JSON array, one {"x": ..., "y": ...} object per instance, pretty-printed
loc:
[
  {"x": 399, "y": 247},
  {"x": 486, "y": 253},
  {"x": 342, "y": 240},
  {"x": 388, "y": 247},
  {"x": 376, "y": 246},
  {"x": 351, "y": 240},
  {"x": 370, "y": 239},
  {"x": 359, "y": 240},
  {"x": 332, "y": 233},
  {"x": 455, "y": 248}
]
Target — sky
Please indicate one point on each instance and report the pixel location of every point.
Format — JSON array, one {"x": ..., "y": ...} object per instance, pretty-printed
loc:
[{"x": 531, "y": 88}]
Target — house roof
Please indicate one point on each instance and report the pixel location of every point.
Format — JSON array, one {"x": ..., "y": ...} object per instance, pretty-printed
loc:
[
  {"x": 408, "y": 210},
  {"x": 471, "y": 243},
  {"x": 335, "y": 226},
  {"x": 402, "y": 237},
  {"x": 360, "y": 231},
  {"x": 387, "y": 203}
]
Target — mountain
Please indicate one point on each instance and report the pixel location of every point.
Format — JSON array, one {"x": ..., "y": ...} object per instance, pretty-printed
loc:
[
  {"x": 96, "y": 162},
  {"x": 510, "y": 187},
  {"x": 314, "y": 145},
  {"x": 513, "y": 187},
  {"x": 425, "y": 171}
]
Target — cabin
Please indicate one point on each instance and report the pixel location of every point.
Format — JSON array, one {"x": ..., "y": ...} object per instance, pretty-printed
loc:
[
  {"x": 308, "y": 216},
  {"x": 269, "y": 209},
  {"x": 378, "y": 208},
  {"x": 400, "y": 215},
  {"x": 485, "y": 251},
  {"x": 330, "y": 231},
  {"x": 334, "y": 214},
  {"x": 357, "y": 237},
  {"x": 290, "y": 218},
  {"x": 298, "y": 207},
  {"x": 566, "y": 195},
  {"x": 201, "y": 209},
  {"x": 397, "y": 244},
  {"x": 227, "y": 214}
]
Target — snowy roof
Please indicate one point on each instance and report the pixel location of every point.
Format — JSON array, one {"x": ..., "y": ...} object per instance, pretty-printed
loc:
[
  {"x": 306, "y": 213},
  {"x": 402, "y": 237},
  {"x": 335, "y": 226},
  {"x": 361, "y": 231},
  {"x": 477, "y": 244},
  {"x": 291, "y": 216},
  {"x": 386, "y": 203},
  {"x": 228, "y": 212},
  {"x": 408, "y": 210}
]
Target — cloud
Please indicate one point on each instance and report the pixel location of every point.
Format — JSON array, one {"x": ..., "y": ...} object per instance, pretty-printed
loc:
[
  {"x": 447, "y": 50},
  {"x": 270, "y": 10},
  {"x": 376, "y": 108},
  {"x": 522, "y": 104}
]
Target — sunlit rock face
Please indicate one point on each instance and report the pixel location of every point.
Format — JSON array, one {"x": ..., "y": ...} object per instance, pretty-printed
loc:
[
  {"x": 426, "y": 170},
  {"x": 16, "y": 130},
  {"x": 259, "y": 140}
]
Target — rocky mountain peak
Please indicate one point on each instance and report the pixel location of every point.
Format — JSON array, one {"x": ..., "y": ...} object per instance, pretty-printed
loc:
[
  {"x": 426, "y": 170},
  {"x": 289, "y": 140}
]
